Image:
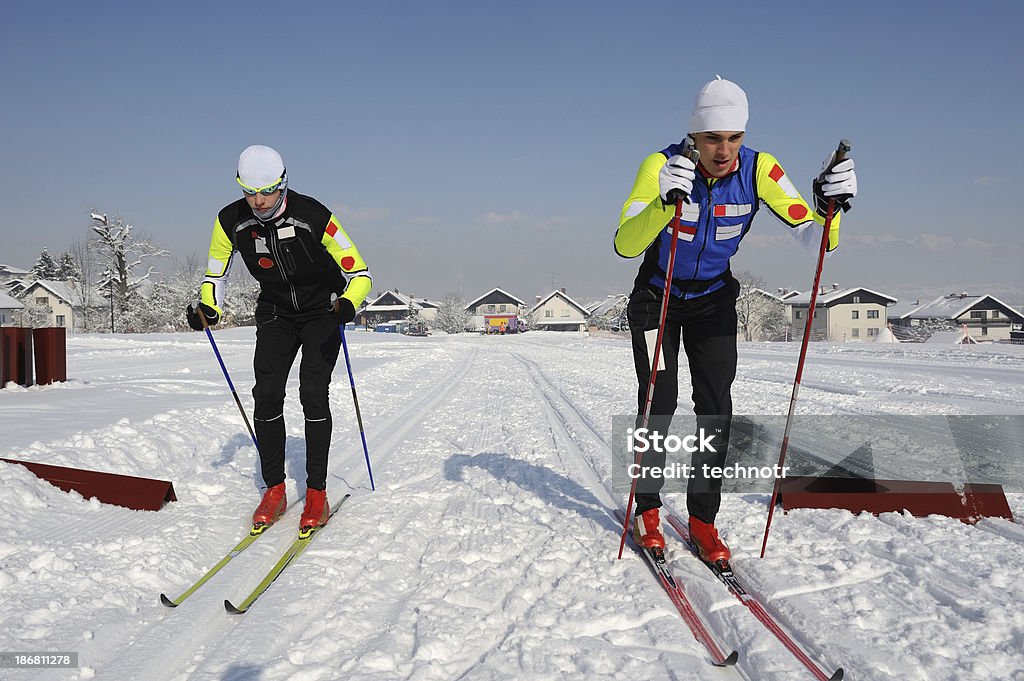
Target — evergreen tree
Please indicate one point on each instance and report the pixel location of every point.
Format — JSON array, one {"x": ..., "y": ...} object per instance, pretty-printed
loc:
[
  {"x": 67, "y": 269},
  {"x": 45, "y": 267}
]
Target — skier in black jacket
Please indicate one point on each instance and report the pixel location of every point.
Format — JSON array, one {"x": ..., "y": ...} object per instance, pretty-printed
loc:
[{"x": 311, "y": 279}]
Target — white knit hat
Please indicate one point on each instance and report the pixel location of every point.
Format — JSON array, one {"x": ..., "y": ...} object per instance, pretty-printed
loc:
[
  {"x": 260, "y": 166},
  {"x": 721, "y": 105}
]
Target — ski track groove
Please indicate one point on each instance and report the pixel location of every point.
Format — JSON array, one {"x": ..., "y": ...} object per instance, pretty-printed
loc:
[
  {"x": 554, "y": 398},
  {"x": 191, "y": 648},
  {"x": 561, "y": 431},
  {"x": 408, "y": 418}
]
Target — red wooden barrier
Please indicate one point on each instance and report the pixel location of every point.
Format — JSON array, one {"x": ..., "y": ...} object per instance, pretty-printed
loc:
[{"x": 140, "y": 494}]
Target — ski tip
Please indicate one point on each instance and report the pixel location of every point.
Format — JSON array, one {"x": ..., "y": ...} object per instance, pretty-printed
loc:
[
  {"x": 167, "y": 601},
  {"x": 231, "y": 608},
  {"x": 838, "y": 676},
  {"x": 729, "y": 661}
]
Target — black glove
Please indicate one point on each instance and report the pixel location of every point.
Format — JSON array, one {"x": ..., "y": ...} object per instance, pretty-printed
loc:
[
  {"x": 836, "y": 182},
  {"x": 344, "y": 308},
  {"x": 192, "y": 315}
]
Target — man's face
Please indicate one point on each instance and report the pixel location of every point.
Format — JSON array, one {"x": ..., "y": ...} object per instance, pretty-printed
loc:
[
  {"x": 718, "y": 150},
  {"x": 262, "y": 202}
]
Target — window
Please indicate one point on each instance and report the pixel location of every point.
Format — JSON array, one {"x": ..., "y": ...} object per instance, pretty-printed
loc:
[
  {"x": 549, "y": 313},
  {"x": 855, "y": 333},
  {"x": 872, "y": 314},
  {"x": 856, "y": 299},
  {"x": 872, "y": 332},
  {"x": 977, "y": 314},
  {"x": 501, "y": 308},
  {"x": 565, "y": 313},
  {"x": 855, "y": 314},
  {"x": 60, "y": 320},
  {"x": 490, "y": 308},
  {"x": 44, "y": 300},
  {"x": 797, "y": 314}
]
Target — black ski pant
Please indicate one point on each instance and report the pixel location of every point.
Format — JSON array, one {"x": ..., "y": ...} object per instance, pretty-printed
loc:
[
  {"x": 706, "y": 328},
  {"x": 278, "y": 339}
]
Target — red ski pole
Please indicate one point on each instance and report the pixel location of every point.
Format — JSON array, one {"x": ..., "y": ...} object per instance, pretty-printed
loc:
[
  {"x": 841, "y": 152},
  {"x": 692, "y": 154}
]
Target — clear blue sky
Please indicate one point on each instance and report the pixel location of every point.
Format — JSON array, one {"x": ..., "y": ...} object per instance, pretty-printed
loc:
[{"x": 472, "y": 144}]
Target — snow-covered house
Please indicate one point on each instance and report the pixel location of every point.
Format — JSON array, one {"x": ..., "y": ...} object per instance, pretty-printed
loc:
[
  {"x": 986, "y": 317},
  {"x": 56, "y": 299},
  {"x": 9, "y": 308},
  {"x": 8, "y": 274},
  {"x": 609, "y": 312},
  {"x": 495, "y": 309},
  {"x": 558, "y": 312},
  {"x": 394, "y": 305},
  {"x": 841, "y": 314}
]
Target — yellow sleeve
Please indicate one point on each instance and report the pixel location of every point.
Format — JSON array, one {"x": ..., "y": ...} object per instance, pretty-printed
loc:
[
  {"x": 643, "y": 214},
  {"x": 344, "y": 252},
  {"x": 222, "y": 252},
  {"x": 779, "y": 193}
]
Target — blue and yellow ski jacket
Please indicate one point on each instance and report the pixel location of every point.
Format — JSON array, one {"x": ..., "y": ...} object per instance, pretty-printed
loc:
[{"x": 712, "y": 224}]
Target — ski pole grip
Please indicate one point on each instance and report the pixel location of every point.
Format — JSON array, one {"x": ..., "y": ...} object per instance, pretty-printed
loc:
[
  {"x": 677, "y": 195},
  {"x": 842, "y": 151}
]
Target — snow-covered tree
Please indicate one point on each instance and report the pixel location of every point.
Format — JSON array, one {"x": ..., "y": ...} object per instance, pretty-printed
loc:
[
  {"x": 240, "y": 300},
  {"x": 67, "y": 268},
  {"x": 121, "y": 254},
  {"x": 34, "y": 315},
  {"x": 451, "y": 314},
  {"x": 91, "y": 317},
  {"x": 413, "y": 312},
  {"x": 612, "y": 315},
  {"x": 45, "y": 267},
  {"x": 759, "y": 315}
]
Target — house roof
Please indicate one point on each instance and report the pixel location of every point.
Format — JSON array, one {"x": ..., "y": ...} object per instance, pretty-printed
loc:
[
  {"x": 69, "y": 292},
  {"x": 606, "y": 304},
  {"x": 394, "y": 301},
  {"x": 761, "y": 291},
  {"x": 8, "y": 303},
  {"x": 563, "y": 296},
  {"x": 13, "y": 271},
  {"x": 495, "y": 295},
  {"x": 949, "y": 306},
  {"x": 832, "y": 296},
  {"x": 57, "y": 288}
]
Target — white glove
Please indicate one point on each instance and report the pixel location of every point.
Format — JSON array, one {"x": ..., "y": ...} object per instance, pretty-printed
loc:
[
  {"x": 839, "y": 183},
  {"x": 677, "y": 173}
]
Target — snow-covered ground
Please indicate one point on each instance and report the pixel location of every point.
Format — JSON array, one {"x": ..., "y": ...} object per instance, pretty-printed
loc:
[{"x": 487, "y": 550}]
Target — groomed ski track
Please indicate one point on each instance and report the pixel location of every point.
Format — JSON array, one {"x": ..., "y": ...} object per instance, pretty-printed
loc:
[{"x": 487, "y": 551}]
